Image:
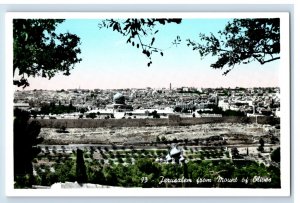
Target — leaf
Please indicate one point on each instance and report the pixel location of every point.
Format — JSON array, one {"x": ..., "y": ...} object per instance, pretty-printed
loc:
[
  {"x": 126, "y": 27},
  {"x": 115, "y": 27},
  {"x": 49, "y": 54},
  {"x": 146, "y": 52},
  {"x": 153, "y": 39},
  {"x": 132, "y": 43},
  {"x": 137, "y": 45},
  {"x": 162, "y": 54}
]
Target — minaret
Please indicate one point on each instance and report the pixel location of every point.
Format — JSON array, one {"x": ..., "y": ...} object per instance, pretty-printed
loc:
[{"x": 170, "y": 86}]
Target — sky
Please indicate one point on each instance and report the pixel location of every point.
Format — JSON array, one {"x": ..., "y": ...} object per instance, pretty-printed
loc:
[{"x": 108, "y": 62}]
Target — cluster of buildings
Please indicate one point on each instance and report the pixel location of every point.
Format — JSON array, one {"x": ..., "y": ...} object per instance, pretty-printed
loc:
[{"x": 133, "y": 103}]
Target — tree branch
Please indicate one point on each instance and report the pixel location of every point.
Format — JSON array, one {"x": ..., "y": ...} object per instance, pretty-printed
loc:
[
  {"x": 273, "y": 59},
  {"x": 256, "y": 52},
  {"x": 144, "y": 45}
]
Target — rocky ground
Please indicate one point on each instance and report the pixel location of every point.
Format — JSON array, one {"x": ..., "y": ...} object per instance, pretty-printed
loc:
[{"x": 127, "y": 135}]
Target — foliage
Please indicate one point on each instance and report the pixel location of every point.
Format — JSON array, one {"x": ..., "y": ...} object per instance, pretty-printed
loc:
[
  {"x": 262, "y": 144},
  {"x": 64, "y": 172},
  {"x": 81, "y": 175},
  {"x": 233, "y": 113},
  {"x": 91, "y": 115},
  {"x": 154, "y": 114},
  {"x": 235, "y": 153},
  {"x": 23, "y": 181},
  {"x": 146, "y": 172},
  {"x": 275, "y": 155},
  {"x": 40, "y": 51},
  {"x": 25, "y": 139},
  {"x": 136, "y": 30},
  {"x": 241, "y": 41},
  {"x": 52, "y": 108},
  {"x": 177, "y": 109},
  {"x": 147, "y": 168},
  {"x": 95, "y": 173},
  {"x": 83, "y": 110}
]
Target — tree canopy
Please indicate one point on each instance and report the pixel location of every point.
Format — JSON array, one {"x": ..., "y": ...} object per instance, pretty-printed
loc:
[
  {"x": 146, "y": 173},
  {"x": 26, "y": 137},
  {"x": 41, "y": 51},
  {"x": 137, "y": 31},
  {"x": 275, "y": 155},
  {"x": 241, "y": 41}
]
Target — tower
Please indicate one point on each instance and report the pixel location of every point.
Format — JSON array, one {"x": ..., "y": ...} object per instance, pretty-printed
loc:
[{"x": 170, "y": 86}]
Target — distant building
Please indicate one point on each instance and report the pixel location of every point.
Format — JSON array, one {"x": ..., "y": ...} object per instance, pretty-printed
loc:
[
  {"x": 175, "y": 154},
  {"x": 224, "y": 104},
  {"x": 119, "y": 104},
  {"x": 185, "y": 89}
]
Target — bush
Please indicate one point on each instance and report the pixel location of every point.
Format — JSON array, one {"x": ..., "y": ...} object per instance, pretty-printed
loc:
[
  {"x": 91, "y": 115},
  {"x": 275, "y": 155}
]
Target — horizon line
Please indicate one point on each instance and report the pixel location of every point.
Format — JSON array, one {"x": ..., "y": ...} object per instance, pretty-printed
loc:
[{"x": 173, "y": 88}]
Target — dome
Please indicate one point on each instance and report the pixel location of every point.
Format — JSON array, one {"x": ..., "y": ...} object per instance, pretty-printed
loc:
[
  {"x": 119, "y": 98},
  {"x": 175, "y": 151}
]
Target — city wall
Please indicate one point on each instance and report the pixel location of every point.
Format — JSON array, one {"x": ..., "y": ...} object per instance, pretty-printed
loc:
[{"x": 171, "y": 121}]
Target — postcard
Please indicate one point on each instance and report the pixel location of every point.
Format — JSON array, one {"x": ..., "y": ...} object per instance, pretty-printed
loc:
[{"x": 147, "y": 104}]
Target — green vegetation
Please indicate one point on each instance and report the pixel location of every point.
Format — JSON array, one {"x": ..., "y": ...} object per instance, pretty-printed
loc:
[
  {"x": 36, "y": 44},
  {"x": 241, "y": 40},
  {"x": 25, "y": 139},
  {"x": 135, "y": 30},
  {"x": 81, "y": 176},
  {"x": 145, "y": 172},
  {"x": 275, "y": 155},
  {"x": 65, "y": 171},
  {"x": 246, "y": 40}
]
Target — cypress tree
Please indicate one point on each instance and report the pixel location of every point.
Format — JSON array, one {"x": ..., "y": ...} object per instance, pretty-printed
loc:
[{"x": 81, "y": 175}]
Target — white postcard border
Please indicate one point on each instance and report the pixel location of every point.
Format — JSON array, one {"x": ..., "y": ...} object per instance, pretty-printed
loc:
[{"x": 285, "y": 110}]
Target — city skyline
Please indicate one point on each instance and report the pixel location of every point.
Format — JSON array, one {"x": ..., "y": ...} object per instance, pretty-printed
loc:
[{"x": 156, "y": 88}]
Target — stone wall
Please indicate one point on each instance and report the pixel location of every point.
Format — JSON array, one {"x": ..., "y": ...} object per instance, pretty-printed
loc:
[{"x": 173, "y": 121}]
